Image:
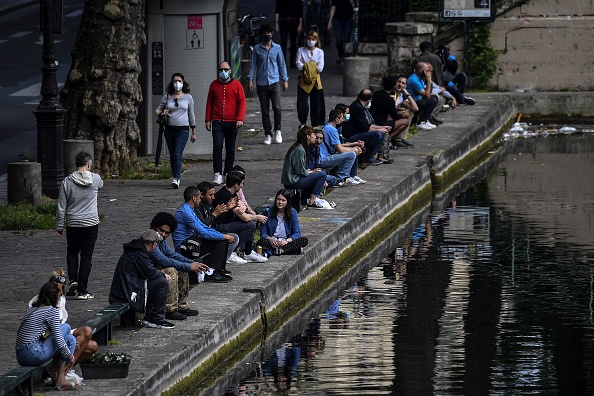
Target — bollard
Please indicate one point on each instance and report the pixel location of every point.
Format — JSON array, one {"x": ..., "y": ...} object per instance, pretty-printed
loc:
[
  {"x": 73, "y": 147},
  {"x": 356, "y": 75},
  {"x": 24, "y": 182}
]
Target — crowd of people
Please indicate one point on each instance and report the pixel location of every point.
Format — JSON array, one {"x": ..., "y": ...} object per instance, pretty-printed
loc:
[{"x": 213, "y": 228}]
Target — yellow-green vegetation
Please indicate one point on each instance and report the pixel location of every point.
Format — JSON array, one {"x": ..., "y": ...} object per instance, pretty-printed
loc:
[
  {"x": 24, "y": 216},
  {"x": 114, "y": 342},
  {"x": 147, "y": 170}
]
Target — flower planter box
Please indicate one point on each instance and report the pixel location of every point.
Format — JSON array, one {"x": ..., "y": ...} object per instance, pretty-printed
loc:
[{"x": 102, "y": 371}]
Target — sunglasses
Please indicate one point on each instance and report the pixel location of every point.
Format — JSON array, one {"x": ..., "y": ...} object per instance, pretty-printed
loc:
[
  {"x": 224, "y": 69},
  {"x": 175, "y": 101},
  {"x": 58, "y": 278}
]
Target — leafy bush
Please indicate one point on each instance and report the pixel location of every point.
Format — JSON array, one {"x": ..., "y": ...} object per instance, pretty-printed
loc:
[
  {"x": 482, "y": 57},
  {"x": 110, "y": 358}
]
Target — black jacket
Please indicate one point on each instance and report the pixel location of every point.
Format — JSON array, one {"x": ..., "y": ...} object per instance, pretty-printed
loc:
[{"x": 132, "y": 272}]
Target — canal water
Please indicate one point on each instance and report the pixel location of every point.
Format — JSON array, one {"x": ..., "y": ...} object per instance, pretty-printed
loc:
[{"x": 491, "y": 294}]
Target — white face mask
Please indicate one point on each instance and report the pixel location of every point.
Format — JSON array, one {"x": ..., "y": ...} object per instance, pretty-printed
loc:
[
  {"x": 178, "y": 86},
  {"x": 311, "y": 43}
]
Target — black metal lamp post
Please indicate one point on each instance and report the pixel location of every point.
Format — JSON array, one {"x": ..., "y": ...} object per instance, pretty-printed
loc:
[{"x": 49, "y": 113}]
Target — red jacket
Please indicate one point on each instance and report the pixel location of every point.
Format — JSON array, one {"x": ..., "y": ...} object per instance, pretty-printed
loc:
[{"x": 225, "y": 102}]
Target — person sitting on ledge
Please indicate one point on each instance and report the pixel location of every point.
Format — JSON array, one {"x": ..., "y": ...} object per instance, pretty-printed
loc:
[{"x": 281, "y": 234}]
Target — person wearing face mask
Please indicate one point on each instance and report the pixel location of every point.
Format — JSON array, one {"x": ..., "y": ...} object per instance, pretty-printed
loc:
[
  {"x": 178, "y": 104},
  {"x": 268, "y": 67},
  {"x": 361, "y": 126},
  {"x": 310, "y": 61},
  {"x": 225, "y": 112}
]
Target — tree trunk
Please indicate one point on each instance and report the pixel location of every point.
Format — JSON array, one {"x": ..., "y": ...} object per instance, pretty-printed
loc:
[{"x": 102, "y": 93}]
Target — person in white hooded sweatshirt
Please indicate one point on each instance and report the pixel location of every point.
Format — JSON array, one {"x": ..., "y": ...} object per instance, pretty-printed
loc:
[{"x": 77, "y": 203}]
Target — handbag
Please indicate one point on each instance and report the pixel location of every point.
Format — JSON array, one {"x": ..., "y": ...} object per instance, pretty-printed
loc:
[{"x": 163, "y": 119}]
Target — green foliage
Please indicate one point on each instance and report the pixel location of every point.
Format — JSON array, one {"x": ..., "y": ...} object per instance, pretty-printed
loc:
[
  {"x": 146, "y": 170},
  {"x": 25, "y": 216},
  {"x": 114, "y": 342},
  {"x": 482, "y": 57},
  {"x": 110, "y": 358},
  {"x": 424, "y": 5}
]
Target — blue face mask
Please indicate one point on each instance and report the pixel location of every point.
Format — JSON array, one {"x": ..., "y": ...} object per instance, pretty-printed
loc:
[
  {"x": 223, "y": 74},
  {"x": 347, "y": 117}
]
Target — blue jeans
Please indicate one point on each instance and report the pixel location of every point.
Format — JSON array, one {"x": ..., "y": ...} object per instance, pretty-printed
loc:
[
  {"x": 343, "y": 28},
  {"x": 227, "y": 132},
  {"x": 312, "y": 184},
  {"x": 373, "y": 142},
  {"x": 176, "y": 138},
  {"x": 344, "y": 162},
  {"x": 266, "y": 94},
  {"x": 38, "y": 352}
]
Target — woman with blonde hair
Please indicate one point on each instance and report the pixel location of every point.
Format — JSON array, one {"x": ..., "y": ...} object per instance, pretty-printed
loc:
[{"x": 310, "y": 62}]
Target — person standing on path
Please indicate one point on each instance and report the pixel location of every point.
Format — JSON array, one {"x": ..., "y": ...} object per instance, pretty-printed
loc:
[
  {"x": 268, "y": 68},
  {"x": 289, "y": 22},
  {"x": 310, "y": 62},
  {"x": 178, "y": 104},
  {"x": 341, "y": 18},
  {"x": 77, "y": 203},
  {"x": 225, "y": 112}
]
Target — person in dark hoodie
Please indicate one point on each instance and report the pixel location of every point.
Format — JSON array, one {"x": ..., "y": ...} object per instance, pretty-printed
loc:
[
  {"x": 137, "y": 281},
  {"x": 77, "y": 202}
]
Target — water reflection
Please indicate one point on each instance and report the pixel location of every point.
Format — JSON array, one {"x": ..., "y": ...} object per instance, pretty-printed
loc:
[{"x": 493, "y": 294}]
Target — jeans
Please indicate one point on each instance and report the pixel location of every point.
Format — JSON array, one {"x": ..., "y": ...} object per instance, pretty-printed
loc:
[
  {"x": 344, "y": 163},
  {"x": 270, "y": 93},
  {"x": 426, "y": 107},
  {"x": 245, "y": 230},
  {"x": 39, "y": 352},
  {"x": 312, "y": 184},
  {"x": 157, "y": 299},
  {"x": 288, "y": 30},
  {"x": 176, "y": 139},
  {"x": 227, "y": 132},
  {"x": 318, "y": 106},
  {"x": 459, "y": 81},
  {"x": 80, "y": 240},
  {"x": 343, "y": 28},
  {"x": 373, "y": 142}
]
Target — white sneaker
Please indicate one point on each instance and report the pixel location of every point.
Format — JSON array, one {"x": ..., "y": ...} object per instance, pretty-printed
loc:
[
  {"x": 74, "y": 378},
  {"x": 361, "y": 181},
  {"x": 254, "y": 257},
  {"x": 351, "y": 180},
  {"x": 218, "y": 179},
  {"x": 235, "y": 259},
  {"x": 279, "y": 137},
  {"x": 175, "y": 183},
  {"x": 268, "y": 139},
  {"x": 433, "y": 126},
  {"x": 424, "y": 126},
  {"x": 320, "y": 204}
]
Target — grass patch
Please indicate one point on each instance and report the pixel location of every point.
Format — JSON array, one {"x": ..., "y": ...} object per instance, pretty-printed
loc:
[
  {"x": 24, "y": 216},
  {"x": 146, "y": 170}
]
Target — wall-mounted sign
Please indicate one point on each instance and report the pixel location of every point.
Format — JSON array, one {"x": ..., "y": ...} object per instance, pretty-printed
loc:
[
  {"x": 194, "y": 22},
  {"x": 194, "y": 33},
  {"x": 467, "y": 9}
]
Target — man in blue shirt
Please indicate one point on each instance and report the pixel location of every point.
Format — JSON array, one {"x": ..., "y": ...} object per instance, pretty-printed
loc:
[
  {"x": 176, "y": 266},
  {"x": 213, "y": 244},
  {"x": 268, "y": 68},
  {"x": 420, "y": 86},
  {"x": 335, "y": 154}
]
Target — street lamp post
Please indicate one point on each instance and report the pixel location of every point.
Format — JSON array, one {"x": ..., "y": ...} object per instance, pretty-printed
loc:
[{"x": 49, "y": 113}]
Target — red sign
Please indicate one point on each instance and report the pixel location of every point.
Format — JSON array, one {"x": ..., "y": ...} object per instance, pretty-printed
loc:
[{"x": 194, "y": 21}]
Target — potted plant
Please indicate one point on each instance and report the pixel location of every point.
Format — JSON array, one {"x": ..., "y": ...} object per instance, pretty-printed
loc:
[{"x": 106, "y": 365}]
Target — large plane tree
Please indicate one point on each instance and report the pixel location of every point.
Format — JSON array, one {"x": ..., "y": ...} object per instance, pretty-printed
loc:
[{"x": 102, "y": 93}]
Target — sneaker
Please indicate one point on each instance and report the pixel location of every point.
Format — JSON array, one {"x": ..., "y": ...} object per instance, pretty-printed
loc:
[
  {"x": 174, "y": 315},
  {"x": 469, "y": 101},
  {"x": 373, "y": 161},
  {"x": 218, "y": 179},
  {"x": 85, "y": 296},
  {"x": 160, "y": 324},
  {"x": 320, "y": 204},
  {"x": 175, "y": 183},
  {"x": 254, "y": 257},
  {"x": 342, "y": 183},
  {"x": 435, "y": 121},
  {"x": 74, "y": 378},
  {"x": 72, "y": 289},
  {"x": 279, "y": 137},
  {"x": 445, "y": 107},
  {"x": 433, "y": 126},
  {"x": 351, "y": 180},
  {"x": 424, "y": 126},
  {"x": 188, "y": 312},
  {"x": 268, "y": 139},
  {"x": 235, "y": 259},
  {"x": 358, "y": 179}
]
